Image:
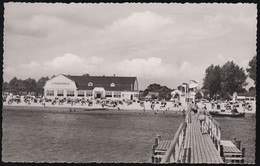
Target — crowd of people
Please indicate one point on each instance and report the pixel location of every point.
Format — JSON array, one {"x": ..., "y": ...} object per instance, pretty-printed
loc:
[
  {"x": 89, "y": 102},
  {"x": 118, "y": 103}
]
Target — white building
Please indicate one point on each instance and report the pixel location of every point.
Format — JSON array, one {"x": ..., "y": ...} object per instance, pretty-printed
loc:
[
  {"x": 246, "y": 96},
  {"x": 188, "y": 90},
  {"x": 112, "y": 87}
]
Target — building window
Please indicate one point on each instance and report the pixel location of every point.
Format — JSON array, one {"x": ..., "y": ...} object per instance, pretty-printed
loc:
[
  {"x": 50, "y": 92},
  {"x": 70, "y": 92},
  {"x": 108, "y": 94},
  {"x": 112, "y": 84},
  {"x": 81, "y": 93},
  {"x": 90, "y": 84},
  {"x": 117, "y": 94},
  {"x": 59, "y": 92},
  {"x": 136, "y": 95},
  {"x": 89, "y": 93}
]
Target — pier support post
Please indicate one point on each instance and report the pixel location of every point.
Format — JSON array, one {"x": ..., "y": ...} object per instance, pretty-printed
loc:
[
  {"x": 243, "y": 154},
  {"x": 238, "y": 144},
  {"x": 152, "y": 159},
  {"x": 157, "y": 140},
  {"x": 222, "y": 152},
  {"x": 189, "y": 155},
  {"x": 154, "y": 146}
]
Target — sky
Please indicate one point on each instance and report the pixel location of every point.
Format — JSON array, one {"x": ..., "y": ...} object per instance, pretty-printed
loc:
[{"x": 158, "y": 43}]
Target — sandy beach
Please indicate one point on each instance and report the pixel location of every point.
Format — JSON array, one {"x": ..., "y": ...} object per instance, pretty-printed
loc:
[
  {"x": 76, "y": 110},
  {"x": 97, "y": 107}
]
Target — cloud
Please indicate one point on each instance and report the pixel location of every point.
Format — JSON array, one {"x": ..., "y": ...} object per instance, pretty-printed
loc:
[
  {"x": 227, "y": 23},
  {"x": 41, "y": 26},
  {"x": 9, "y": 70},
  {"x": 138, "y": 27},
  {"x": 221, "y": 57},
  {"x": 157, "y": 43},
  {"x": 147, "y": 70},
  {"x": 185, "y": 66},
  {"x": 151, "y": 67},
  {"x": 66, "y": 61},
  {"x": 142, "y": 22}
]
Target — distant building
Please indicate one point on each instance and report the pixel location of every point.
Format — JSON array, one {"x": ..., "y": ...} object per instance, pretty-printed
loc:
[
  {"x": 86, "y": 86},
  {"x": 188, "y": 90},
  {"x": 246, "y": 96},
  {"x": 152, "y": 95}
]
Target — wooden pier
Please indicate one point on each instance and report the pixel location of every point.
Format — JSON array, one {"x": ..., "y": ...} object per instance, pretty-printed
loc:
[{"x": 197, "y": 141}]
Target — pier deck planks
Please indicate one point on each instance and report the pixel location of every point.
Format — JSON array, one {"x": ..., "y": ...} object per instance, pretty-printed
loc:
[{"x": 202, "y": 148}]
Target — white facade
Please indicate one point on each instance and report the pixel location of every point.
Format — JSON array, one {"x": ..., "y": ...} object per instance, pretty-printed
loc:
[
  {"x": 188, "y": 90},
  {"x": 59, "y": 86},
  {"x": 63, "y": 87},
  {"x": 236, "y": 97},
  {"x": 130, "y": 95}
]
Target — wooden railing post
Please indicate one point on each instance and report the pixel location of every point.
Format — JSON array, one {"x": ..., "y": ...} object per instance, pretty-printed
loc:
[
  {"x": 176, "y": 150},
  {"x": 238, "y": 143},
  {"x": 243, "y": 154},
  {"x": 173, "y": 151},
  {"x": 189, "y": 155}
]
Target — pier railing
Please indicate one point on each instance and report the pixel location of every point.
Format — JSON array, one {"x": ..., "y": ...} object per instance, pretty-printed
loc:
[
  {"x": 173, "y": 153},
  {"x": 213, "y": 128}
]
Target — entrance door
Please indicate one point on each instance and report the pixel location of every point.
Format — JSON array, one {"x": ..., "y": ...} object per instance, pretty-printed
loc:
[
  {"x": 98, "y": 95},
  {"x": 131, "y": 97}
]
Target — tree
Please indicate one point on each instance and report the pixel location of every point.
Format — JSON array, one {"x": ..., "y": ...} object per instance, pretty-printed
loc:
[
  {"x": 225, "y": 80},
  {"x": 252, "y": 69},
  {"x": 153, "y": 96},
  {"x": 5, "y": 87},
  {"x": 29, "y": 85},
  {"x": 13, "y": 85},
  {"x": 198, "y": 95},
  {"x": 233, "y": 78},
  {"x": 164, "y": 91},
  {"x": 40, "y": 84},
  {"x": 212, "y": 80},
  {"x": 17, "y": 86},
  {"x": 152, "y": 88},
  {"x": 225, "y": 96}
]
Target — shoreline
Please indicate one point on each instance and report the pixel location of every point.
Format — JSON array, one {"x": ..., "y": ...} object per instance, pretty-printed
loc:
[
  {"x": 80, "y": 109},
  {"x": 73, "y": 109}
]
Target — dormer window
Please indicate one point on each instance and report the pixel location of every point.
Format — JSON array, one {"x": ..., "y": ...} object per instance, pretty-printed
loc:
[
  {"x": 90, "y": 84},
  {"x": 112, "y": 84}
]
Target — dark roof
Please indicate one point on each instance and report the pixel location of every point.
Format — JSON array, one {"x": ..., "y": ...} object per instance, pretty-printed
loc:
[
  {"x": 121, "y": 83},
  {"x": 251, "y": 93}
]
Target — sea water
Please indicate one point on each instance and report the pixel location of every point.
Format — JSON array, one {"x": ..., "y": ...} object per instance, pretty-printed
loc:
[{"x": 31, "y": 135}]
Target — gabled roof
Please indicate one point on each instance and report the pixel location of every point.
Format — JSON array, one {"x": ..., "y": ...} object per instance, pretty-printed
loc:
[{"x": 121, "y": 83}]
